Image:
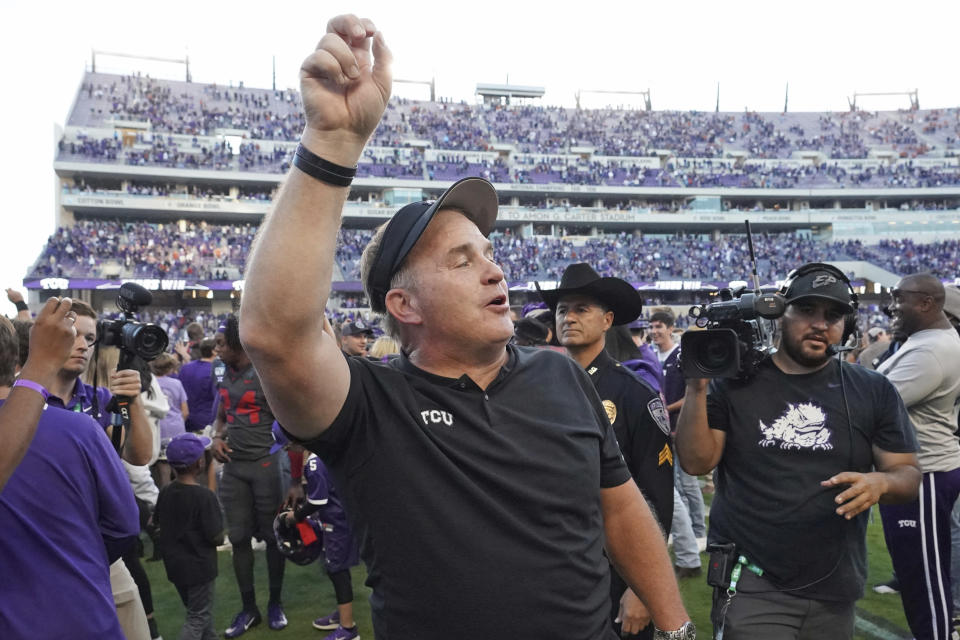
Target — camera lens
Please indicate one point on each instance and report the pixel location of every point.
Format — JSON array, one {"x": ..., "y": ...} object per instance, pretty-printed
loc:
[
  {"x": 715, "y": 354},
  {"x": 151, "y": 341},
  {"x": 145, "y": 340}
]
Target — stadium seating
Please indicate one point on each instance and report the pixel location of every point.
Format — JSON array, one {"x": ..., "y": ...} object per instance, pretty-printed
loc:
[
  {"x": 201, "y": 250},
  {"x": 181, "y": 125}
]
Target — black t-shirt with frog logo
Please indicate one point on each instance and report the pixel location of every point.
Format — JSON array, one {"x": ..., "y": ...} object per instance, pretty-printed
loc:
[{"x": 785, "y": 434}]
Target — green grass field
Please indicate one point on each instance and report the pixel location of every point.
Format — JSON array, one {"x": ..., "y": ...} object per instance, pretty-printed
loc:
[{"x": 308, "y": 594}]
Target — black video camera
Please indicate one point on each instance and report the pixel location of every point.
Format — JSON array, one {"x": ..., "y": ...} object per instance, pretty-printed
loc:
[
  {"x": 145, "y": 340},
  {"x": 735, "y": 339}
]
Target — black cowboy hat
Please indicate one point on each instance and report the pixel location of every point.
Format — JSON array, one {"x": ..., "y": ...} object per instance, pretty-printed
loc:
[{"x": 616, "y": 294}]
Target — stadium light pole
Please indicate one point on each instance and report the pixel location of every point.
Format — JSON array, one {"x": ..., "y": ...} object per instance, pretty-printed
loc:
[
  {"x": 646, "y": 96},
  {"x": 184, "y": 61},
  {"x": 914, "y": 97}
]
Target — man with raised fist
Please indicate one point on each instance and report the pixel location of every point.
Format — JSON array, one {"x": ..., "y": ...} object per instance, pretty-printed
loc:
[{"x": 484, "y": 479}]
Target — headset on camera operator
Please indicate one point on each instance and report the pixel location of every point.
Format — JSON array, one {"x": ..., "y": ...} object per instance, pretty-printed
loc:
[{"x": 805, "y": 444}]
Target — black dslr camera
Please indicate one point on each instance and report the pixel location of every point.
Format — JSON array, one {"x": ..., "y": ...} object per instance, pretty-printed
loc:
[
  {"x": 144, "y": 340},
  {"x": 735, "y": 339}
]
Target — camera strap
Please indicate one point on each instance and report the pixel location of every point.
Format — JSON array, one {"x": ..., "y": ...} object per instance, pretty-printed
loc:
[{"x": 721, "y": 616}]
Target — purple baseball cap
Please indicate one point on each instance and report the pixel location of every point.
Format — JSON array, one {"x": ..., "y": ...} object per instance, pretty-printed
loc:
[{"x": 186, "y": 448}]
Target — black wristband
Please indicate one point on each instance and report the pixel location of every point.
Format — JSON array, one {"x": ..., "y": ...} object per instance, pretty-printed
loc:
[
  {"x": 314, "y": 159},
  {"x": 323, "y": 170},
  {"x": 21, "y": 305}
]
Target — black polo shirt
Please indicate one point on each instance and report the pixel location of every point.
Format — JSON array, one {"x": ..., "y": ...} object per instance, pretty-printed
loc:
[
  {"x": 642, "y": 428},
  {"x": 478, "y": 510}
]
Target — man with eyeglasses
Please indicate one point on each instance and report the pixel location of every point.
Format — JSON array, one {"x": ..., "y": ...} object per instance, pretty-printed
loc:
[{"x": 926, "y": 372}]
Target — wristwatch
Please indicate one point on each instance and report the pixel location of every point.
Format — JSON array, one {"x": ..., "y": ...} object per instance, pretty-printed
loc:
[{"x": 687, "y": 632}]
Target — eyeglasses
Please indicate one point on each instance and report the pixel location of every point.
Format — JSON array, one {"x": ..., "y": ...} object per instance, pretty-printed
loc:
[
  {"x": 896, "y": 292},
  {"x": 89, "y": 339}
]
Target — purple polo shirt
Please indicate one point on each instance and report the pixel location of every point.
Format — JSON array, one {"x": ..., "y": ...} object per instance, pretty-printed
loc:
[
  {"x": 81, "y": 401},
  {"x": 197, "y": 380},
  {"x": 68, "y": 495}
]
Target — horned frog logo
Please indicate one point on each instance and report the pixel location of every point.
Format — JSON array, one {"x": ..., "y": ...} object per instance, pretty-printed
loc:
[{"x": 802, "y": 426}]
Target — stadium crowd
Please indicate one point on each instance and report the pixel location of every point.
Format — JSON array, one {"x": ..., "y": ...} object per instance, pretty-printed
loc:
[
  {"x": 172, "y": 107},
  {"x": 682, "y": 171},
  {"x": 203, "y": 250}
]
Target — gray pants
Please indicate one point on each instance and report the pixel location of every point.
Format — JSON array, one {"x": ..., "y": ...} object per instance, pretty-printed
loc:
[
  {"x": 759, "y": 612},
  {"x": 685, "y": 550},
  {"x": 689, "y": 487},
  {"x": 251, "y": 492},
  {"x": 198, "y": 599}
]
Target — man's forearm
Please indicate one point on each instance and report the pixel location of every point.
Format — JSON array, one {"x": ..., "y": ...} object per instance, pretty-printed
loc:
[
  {"x": 639, "y": 554},
  {"x": 291, "y": 263},
  {"x": 19, "y": 417},
  {"x": 696, "y": 444},
  {"x": 138, "y": 446},
  {"x": 902, "y": 484}
]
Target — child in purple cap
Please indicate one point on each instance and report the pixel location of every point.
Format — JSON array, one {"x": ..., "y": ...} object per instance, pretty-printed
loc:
[{"x": 191, "y": 527}]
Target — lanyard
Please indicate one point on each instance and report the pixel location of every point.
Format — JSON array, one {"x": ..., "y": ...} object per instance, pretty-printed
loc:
[
  {"x": 732, "y": 589},
  {"x": 737, "y": 569}
]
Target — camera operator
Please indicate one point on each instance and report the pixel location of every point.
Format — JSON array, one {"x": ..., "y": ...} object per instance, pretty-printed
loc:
[
  {"x": 67, "y": 510},
  {"x": 70, "y": 393},
  {"x": 804, "y": 446}
]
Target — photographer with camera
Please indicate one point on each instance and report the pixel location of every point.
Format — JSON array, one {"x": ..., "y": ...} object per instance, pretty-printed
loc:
[
  {"x": 805, "y": 445},
  {"x": 69, "y": 392}
]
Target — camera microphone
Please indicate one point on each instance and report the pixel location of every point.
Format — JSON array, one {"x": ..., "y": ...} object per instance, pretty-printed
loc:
[
  {"x": 834, "y": 349},
  {"x": 132, "y": 296}
]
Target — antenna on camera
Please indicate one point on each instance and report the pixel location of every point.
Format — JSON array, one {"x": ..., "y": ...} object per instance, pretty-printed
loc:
[{"x": 753, "y": 259}]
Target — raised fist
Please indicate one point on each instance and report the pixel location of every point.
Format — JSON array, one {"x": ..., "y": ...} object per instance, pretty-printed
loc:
[
  {"x": 51, "y": 340},
  {"x": 345, "y": 87}
]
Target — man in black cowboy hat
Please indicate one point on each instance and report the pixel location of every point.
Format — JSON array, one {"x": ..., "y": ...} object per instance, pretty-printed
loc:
[
  {"x": 484, "y": 478},
  {"x": 586, "y": 307}
]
